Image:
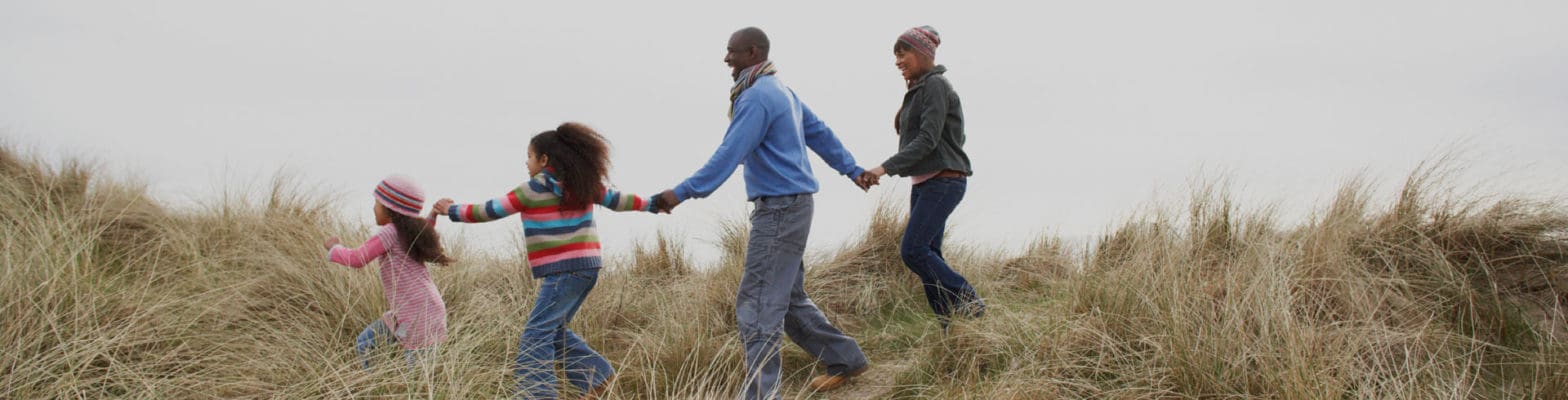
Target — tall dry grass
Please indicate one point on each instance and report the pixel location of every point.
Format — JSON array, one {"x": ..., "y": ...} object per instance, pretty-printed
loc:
[{"x": 1427, "y": 295}]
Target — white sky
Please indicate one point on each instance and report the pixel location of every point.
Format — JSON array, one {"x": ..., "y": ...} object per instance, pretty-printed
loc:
[{"x": 1077, "y": 113}]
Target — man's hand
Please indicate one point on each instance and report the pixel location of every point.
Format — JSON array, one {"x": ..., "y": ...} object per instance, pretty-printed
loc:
[
  {"x": 665, "y": 202},
  {"x": 331, "y": 242},
  {"x": 441, "y": 206},
  {"x": 865, "y": 181},
  {"x": 871, "y": 177}
]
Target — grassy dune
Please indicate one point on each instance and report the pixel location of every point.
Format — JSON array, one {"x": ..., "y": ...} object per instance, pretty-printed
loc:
[{"x": 108, "y": 294}]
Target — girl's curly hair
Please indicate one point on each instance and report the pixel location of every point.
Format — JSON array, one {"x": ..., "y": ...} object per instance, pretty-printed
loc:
[{"x": 579, "y": 158}]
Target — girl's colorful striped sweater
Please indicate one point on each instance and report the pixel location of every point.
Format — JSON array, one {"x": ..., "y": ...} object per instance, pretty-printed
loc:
[{"x": 558, "y": 240}]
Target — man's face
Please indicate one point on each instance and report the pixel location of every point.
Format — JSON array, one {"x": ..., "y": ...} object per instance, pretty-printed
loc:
[{"x": 740, "y": 55}]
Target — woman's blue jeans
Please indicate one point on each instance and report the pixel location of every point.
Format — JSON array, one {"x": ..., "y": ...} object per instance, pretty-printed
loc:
[{"x": 930, "y": 204}]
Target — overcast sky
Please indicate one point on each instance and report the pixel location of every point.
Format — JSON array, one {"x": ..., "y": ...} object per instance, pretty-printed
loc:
[{"x": 1077, "y": 113}]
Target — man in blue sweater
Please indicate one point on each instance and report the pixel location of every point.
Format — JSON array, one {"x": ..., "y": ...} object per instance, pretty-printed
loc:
[{"x": 770, "y": 130}]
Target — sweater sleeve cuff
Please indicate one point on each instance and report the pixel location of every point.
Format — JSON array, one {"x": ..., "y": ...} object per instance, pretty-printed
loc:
[
  {"x": 682, "y": 193},
  {"x": 856, "y": 172},
  {"x": 890, "y": 169},
  {"x": 451, "y": 213}
]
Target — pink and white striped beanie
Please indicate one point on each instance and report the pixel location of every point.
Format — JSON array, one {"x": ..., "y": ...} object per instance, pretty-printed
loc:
[{"x": 400, "y": 194}]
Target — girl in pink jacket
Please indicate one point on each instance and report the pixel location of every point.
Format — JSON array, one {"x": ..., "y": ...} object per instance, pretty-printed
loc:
[{"x": 404, "y": 243}]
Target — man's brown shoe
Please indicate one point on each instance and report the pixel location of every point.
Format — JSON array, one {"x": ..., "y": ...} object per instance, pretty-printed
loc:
[{"x": 825, "y": 382}]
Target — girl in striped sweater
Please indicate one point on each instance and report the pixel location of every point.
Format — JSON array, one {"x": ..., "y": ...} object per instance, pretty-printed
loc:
[
  {"x": 404, "y": 243},
  {"x": 568, "y": 166}
]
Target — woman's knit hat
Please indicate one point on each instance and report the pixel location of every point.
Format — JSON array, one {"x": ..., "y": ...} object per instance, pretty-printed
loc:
[
  {"x": 400, "y": 194},
  {"x": 923, "y": 39}
]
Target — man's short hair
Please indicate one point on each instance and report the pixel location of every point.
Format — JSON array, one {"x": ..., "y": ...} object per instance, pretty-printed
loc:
[{"x": 753, "y": 36}]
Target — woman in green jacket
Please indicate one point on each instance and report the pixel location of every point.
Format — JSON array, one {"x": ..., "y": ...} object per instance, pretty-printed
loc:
[{"x": 931, "y": 152}]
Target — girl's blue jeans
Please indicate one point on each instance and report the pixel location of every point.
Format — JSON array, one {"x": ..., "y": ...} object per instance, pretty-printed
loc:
[
  {"x": 546, "y": 342},
  {"x": 377, "y": 333}
]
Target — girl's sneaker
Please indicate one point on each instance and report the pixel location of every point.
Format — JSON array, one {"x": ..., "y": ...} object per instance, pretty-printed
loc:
[{"x": 975, "y": 308}]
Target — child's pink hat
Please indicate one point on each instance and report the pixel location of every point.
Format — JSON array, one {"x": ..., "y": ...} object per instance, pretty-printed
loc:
[{"x": 400, "y": 194}]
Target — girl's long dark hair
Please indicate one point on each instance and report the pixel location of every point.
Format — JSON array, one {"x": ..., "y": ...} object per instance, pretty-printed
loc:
[
  {"x": 419, "y": 239},
  {"x": 579, "y": 158}
]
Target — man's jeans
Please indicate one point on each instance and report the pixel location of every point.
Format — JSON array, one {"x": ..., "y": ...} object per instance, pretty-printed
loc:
[
  {"x": 772, "y": 298},
  {"x": 930, "y": 203},
  {"x": 546, "y": 341}
]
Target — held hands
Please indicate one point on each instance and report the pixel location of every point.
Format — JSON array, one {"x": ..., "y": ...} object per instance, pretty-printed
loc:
[
  {"x": 440, "y": 206},
  {"x": 665, "y": 201},
  {"x": 871, "y": 177},
  {"x": 332, "y": 242}
]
